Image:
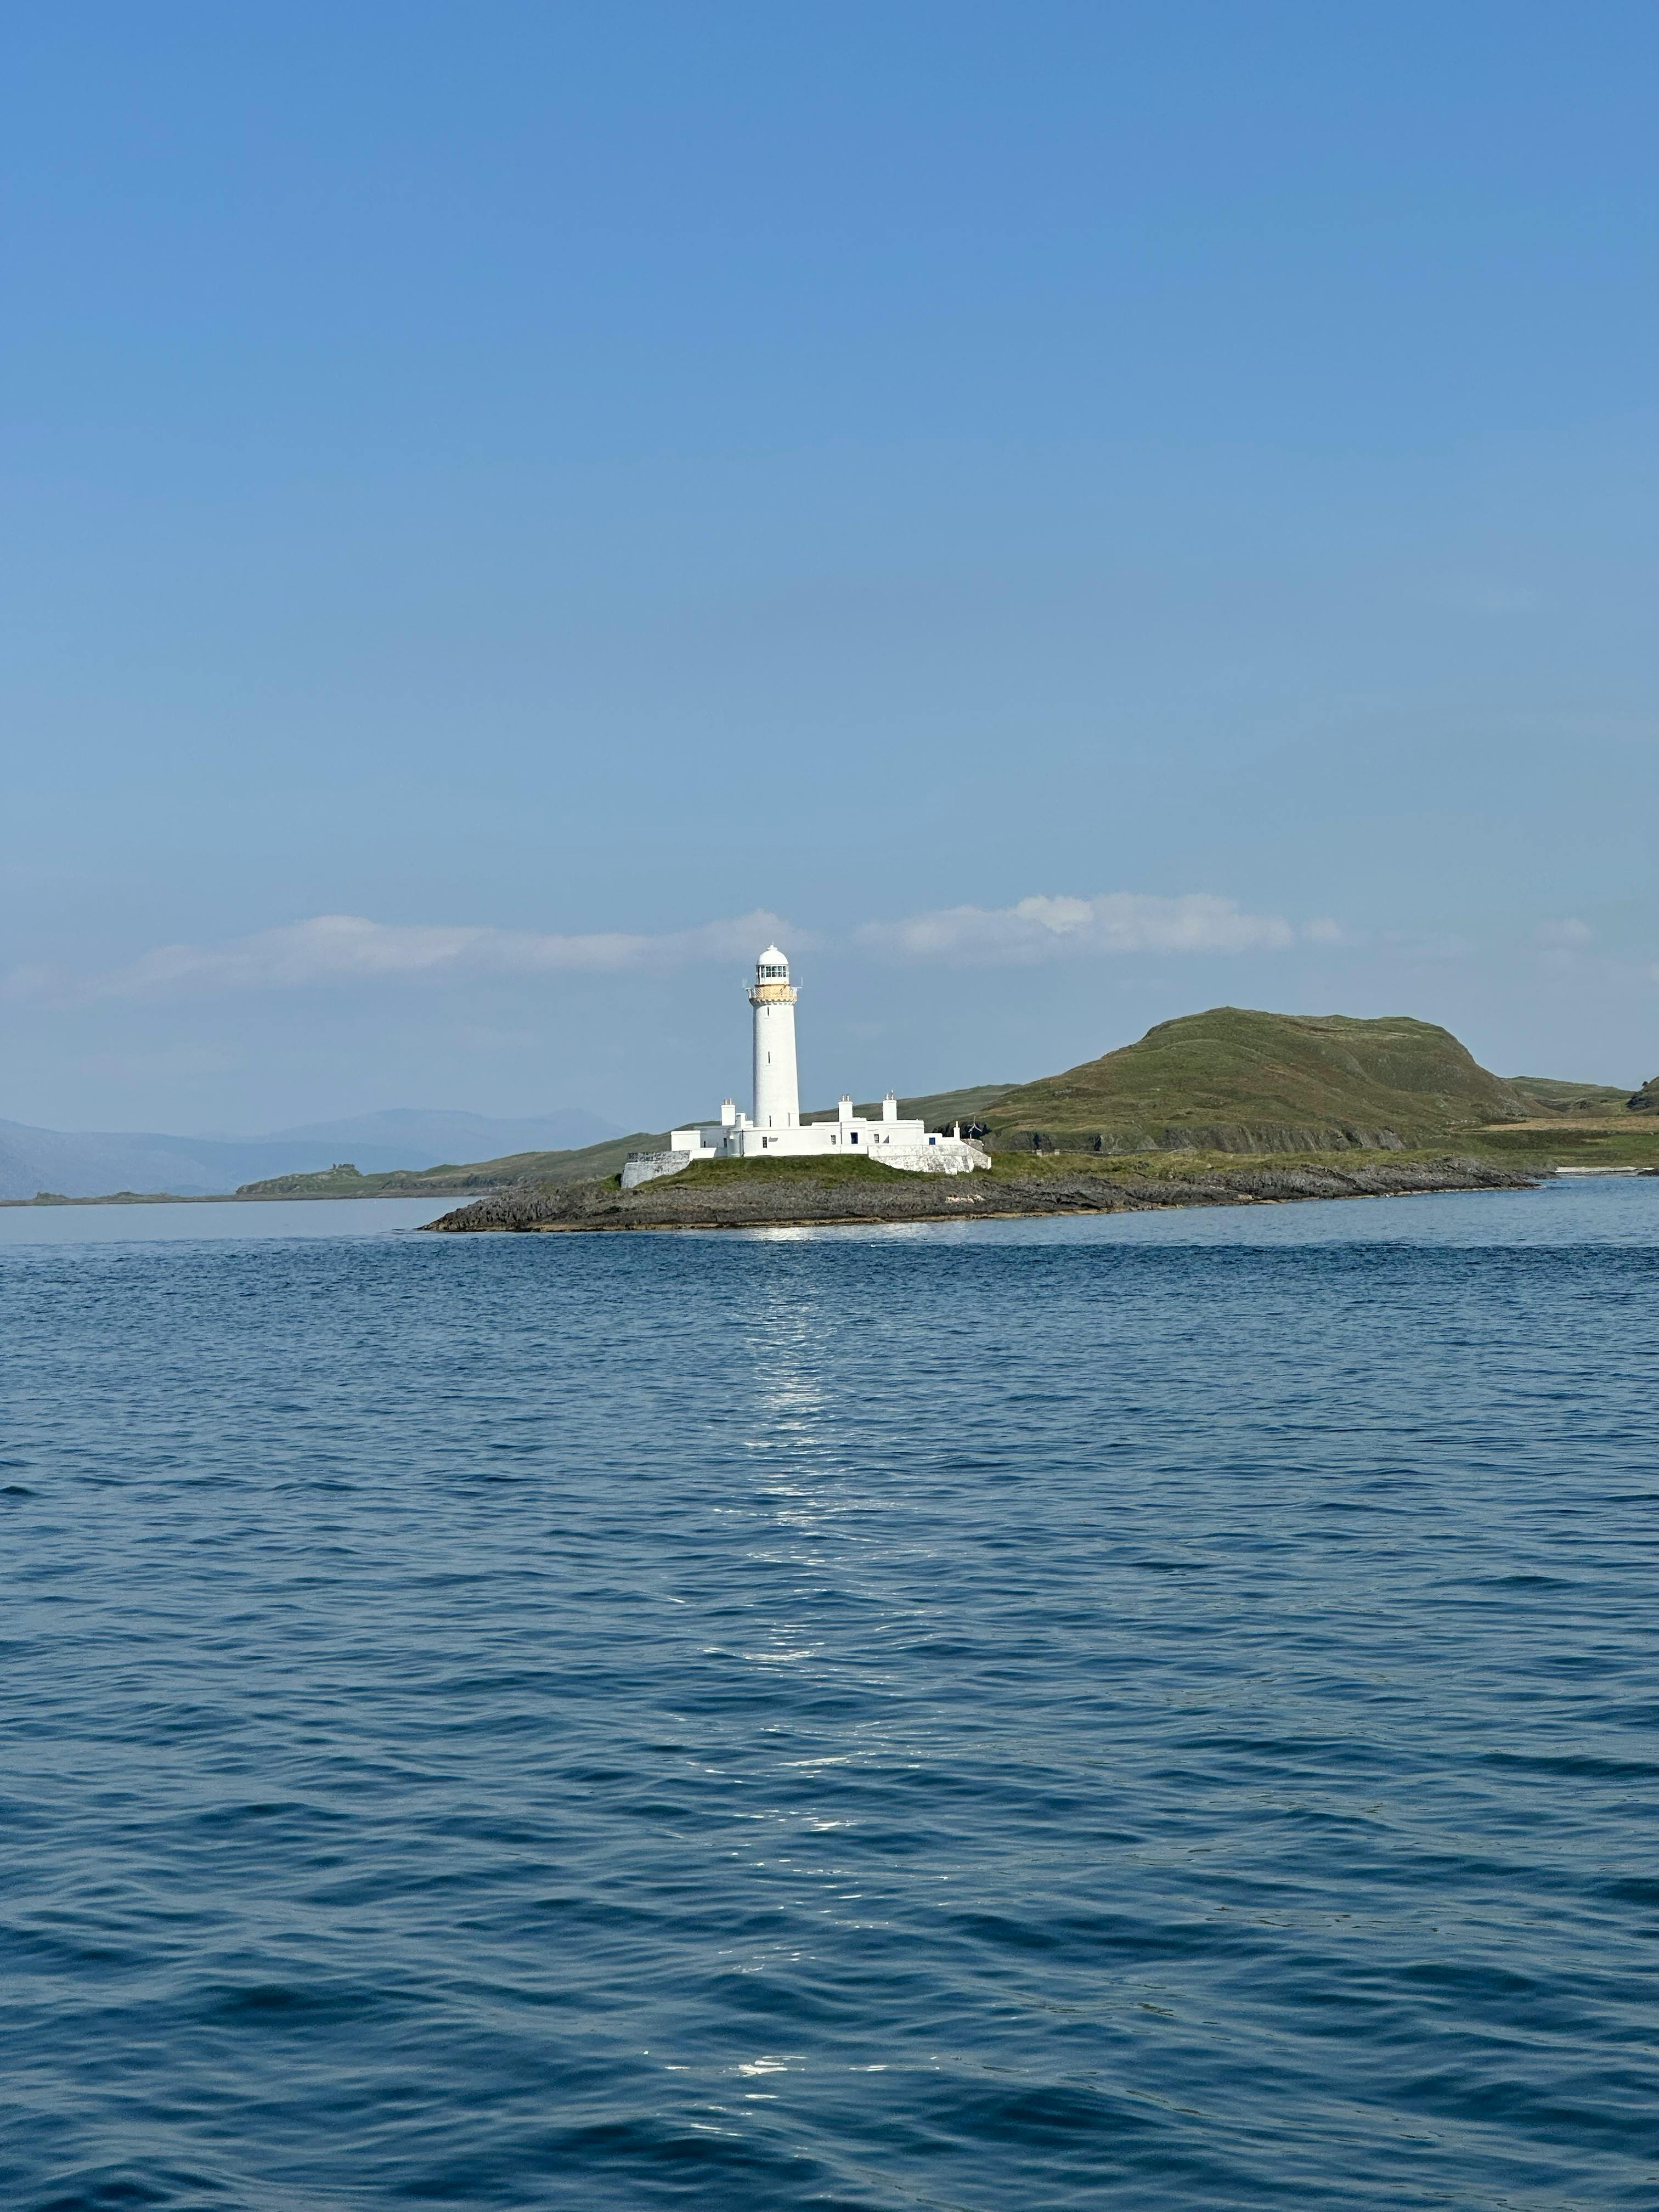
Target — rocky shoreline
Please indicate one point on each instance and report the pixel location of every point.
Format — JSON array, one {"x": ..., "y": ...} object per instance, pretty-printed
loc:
[{"x": 797, "y": 1202}]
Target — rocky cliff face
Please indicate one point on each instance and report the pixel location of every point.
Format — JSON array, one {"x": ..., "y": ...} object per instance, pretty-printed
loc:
[
  {"x": 1646, "y": 1100},
  {"x": 1203, "y": 1137}
]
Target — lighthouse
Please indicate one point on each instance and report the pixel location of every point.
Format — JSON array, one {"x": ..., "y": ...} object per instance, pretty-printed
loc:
[
  {"x": 777, "y": 1131},
  {"x": 777, "y": 1090}
]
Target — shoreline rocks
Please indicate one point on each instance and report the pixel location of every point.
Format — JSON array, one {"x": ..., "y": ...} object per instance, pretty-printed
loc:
[
  {"x": 796, "y": 1202},
  {"x": 1245, "y": 1138}
]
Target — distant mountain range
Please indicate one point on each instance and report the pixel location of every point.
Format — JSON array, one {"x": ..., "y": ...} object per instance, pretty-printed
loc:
[{"x": 87, "y": 1164}]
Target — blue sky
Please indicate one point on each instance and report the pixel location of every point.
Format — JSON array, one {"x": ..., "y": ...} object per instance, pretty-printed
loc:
[{"x": 1079, "y": 513}]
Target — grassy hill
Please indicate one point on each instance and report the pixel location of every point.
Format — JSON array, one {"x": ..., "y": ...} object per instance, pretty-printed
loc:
[{"x": 1237, "y": 1079}]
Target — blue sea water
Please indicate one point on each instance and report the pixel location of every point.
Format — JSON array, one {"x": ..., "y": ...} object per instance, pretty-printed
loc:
[{"x": 1155, "y": 1712}]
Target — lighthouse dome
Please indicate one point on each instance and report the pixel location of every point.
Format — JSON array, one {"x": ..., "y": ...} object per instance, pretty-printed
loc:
[{"x": 771, "y": 963}]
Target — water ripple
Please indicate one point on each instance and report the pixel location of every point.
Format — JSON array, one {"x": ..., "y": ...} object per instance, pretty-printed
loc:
[{"x": 1150, "y": 1713}]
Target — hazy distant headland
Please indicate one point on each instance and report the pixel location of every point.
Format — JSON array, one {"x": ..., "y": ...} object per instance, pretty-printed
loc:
[{"x": 86, "y": 1163}]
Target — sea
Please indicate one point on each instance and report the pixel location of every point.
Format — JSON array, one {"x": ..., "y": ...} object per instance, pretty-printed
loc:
[{"x": 1158, "y": 1711}]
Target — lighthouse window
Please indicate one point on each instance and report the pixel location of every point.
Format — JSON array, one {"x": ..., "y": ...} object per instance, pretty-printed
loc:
[{"x": 851, "y": 1136}]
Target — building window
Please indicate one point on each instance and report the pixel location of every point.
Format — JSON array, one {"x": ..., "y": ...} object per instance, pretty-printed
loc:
[{"x": 851, "y": 1136}]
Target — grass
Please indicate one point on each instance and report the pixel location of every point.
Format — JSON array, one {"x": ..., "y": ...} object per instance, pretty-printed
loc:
[
  {"x": 816, "y": 1168},
  {"x": 1552, "y": 1145},
  {"x": 1523, "y": 1148},
  {"x": 589, "y": 1163},
  {"x": 1595, "y": 1146},
  {"x": 1234, "y": 1068},
  {"x": 1571, "y": 1097},
  {"x": 1201, "y": 1162},
  {"x": 1058, "y": 1167}
]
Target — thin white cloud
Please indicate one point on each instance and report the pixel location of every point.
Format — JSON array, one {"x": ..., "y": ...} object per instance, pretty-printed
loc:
[
  {"x": 347, "y": 948},
  {"x": 1047, "y": 928},
  {"x": 1569, "y": 933}
]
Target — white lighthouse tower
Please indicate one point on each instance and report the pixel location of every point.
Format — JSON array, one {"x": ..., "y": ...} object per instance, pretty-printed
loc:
[
  {"x": 777, "y": 1090},
  {"x": 777, "y": 1131}
]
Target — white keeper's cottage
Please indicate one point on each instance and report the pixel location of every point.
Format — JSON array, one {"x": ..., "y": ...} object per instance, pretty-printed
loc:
[{"x": 776, "y": 1131}]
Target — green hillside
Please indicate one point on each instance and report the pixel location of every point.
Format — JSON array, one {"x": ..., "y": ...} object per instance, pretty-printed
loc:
[
  {"x": 1557, "y": 1097},
  {"x": 1239, "y": 1079},
  {"x": 344, "y": 1182}
]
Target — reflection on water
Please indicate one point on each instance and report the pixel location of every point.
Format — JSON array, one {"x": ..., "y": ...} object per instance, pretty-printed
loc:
[{"x": 1148, "y": 1712}]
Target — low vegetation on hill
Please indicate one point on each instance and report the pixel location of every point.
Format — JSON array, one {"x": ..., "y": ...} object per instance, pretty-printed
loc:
[
  {"x": 1551, "y": 1097},
  {"x": 1239, "y": 1080},
  {"x": 1569, "y": 1143},
  {"x": 539, "y": 1168}
]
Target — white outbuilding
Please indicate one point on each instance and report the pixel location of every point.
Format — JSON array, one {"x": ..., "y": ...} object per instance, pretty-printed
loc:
[{"x": 776, "y": 1131}]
